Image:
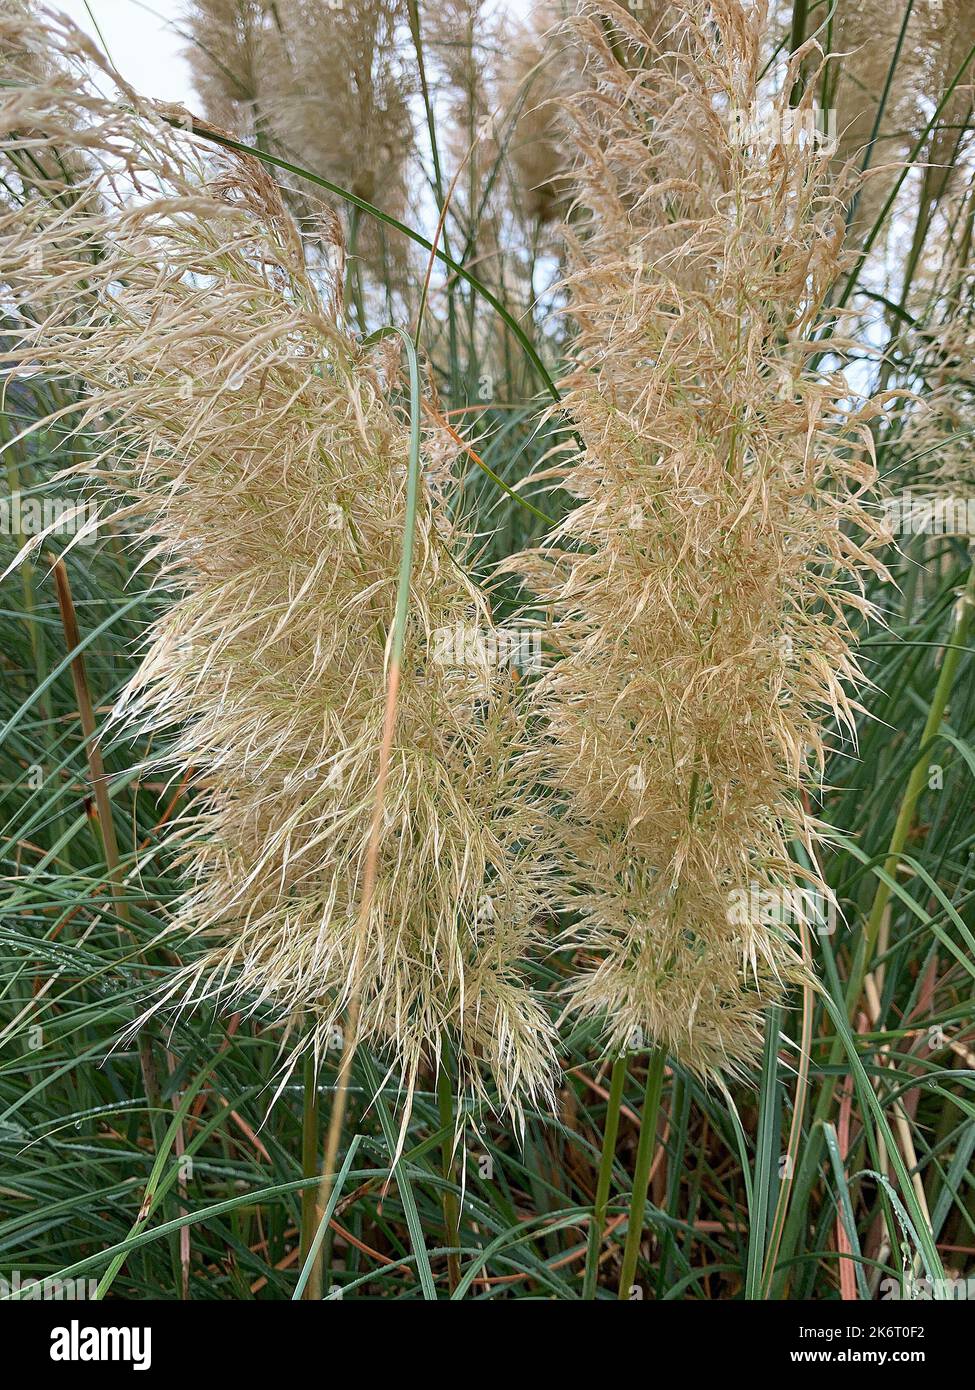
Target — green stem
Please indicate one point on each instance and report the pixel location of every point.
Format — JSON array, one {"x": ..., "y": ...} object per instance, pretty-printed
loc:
[
  {"x": 309, "y": 1169},
  {"x": 864, "y": 956},
  {"x": 641, "y": 1172},
  {"x": 797, "y": 37},
  {"x": 333, "y": 1137},
  {"x": 915, "y": 785},
  {"x": 103, "y": 819},
  {"x": 353, "y": 271},
  {"x": 598, "y": 1222},
  {"x": 451, "y": 1214},
  {"x": 38, "y": 643}
]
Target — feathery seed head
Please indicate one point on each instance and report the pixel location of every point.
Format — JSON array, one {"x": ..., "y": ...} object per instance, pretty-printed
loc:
[
  {"x": 261, "y": 449},
  {"x": 704, "y": 587},
  {"x": 323, "y": 86}
]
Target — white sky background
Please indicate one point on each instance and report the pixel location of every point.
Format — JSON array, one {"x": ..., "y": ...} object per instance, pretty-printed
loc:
[{"x": 142, "y": 45}]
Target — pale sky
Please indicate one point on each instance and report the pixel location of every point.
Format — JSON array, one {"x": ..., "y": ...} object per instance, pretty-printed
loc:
[{"x": 141, "y": 43}]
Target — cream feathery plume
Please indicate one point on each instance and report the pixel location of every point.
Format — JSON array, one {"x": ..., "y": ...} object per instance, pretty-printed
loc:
[
  {"x": 703, "y": 589},
  {"x": 260, "y": 450},
  {"x": 535, "y": 76},
  {"x": 540, "y": 69},
  {"x": 323, "y": 85},
  {"x": 228, "y": 58},
  {"x": 934, "y": 40},
  {"x": 338, "y": 93},
  {"x": 932, "y": 481}
]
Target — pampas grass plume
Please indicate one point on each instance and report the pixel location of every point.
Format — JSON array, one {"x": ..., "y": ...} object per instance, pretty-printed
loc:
[{"x": 261, "y": 448}]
